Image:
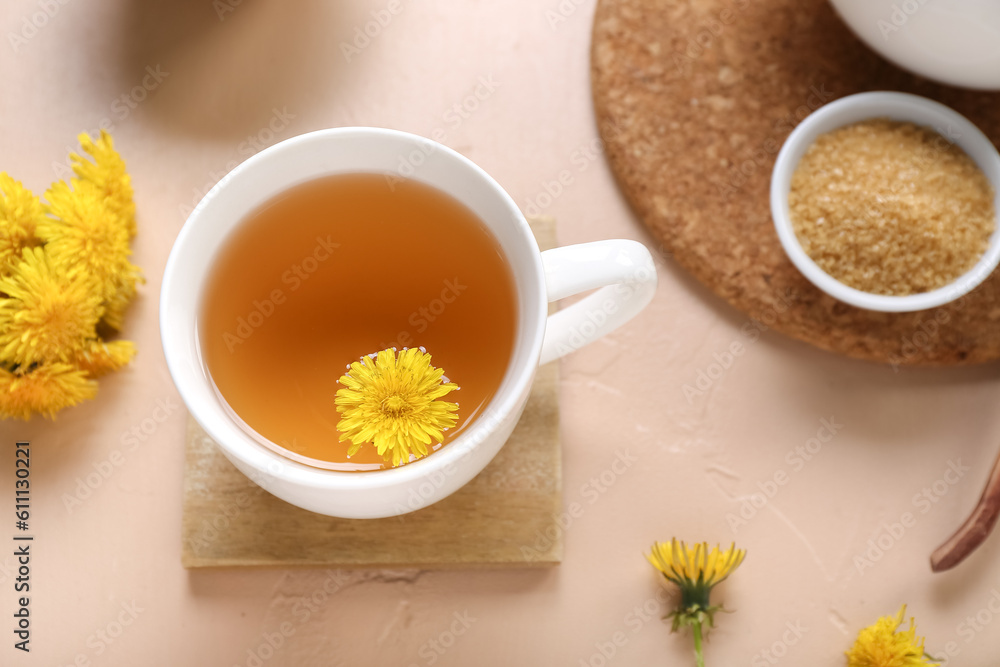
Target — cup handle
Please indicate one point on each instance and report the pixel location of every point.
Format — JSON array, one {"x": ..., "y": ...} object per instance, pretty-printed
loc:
[{"x": 624, "y": 271}]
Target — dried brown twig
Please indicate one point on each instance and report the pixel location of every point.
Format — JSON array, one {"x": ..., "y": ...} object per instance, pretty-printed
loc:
[{"x": 976, "y": 528}]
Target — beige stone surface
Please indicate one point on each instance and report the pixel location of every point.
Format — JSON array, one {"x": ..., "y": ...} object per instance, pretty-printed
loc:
[{"x": 699, "y": 454}]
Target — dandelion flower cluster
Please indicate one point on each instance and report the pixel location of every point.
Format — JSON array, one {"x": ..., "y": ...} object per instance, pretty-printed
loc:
[
  {"x": 65, "y": 282},
  {"x": 393, "y": 402}
]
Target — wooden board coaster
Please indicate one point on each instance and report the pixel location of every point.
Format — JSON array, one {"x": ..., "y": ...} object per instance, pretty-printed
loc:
[
  {"x": 505, "y": 517},
  {"x": 694, "y": 99}
]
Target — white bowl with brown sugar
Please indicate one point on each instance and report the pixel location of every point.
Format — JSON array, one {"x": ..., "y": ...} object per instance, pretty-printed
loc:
[{"x": 888, "y": 201}]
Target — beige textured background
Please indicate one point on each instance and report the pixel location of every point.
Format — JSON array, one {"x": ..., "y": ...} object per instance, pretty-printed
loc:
[{"x": 698, "y": 457}]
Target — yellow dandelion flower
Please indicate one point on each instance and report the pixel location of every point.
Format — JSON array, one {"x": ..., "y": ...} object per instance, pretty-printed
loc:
[
  {"x": 393, "y": 403},
  {"x": 20, "y": 213},
  {"x": 45, "y": 390},
  {"x": 46, "y": 316},
  {"x": 107, "y": 173},
  {"x": 99, "y": 358},
  {"x": 114, "y": 308},
  {"x": 883, "y": 644},
  {"x": 695, "y": 570},
  {"x": 85, "y": 239},
  {"x": 65, "y": 280}
]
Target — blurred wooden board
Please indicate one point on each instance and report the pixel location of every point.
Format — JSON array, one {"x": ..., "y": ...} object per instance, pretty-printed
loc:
[
  {"x": 505, "y": 517},
  {"x": 694, "y": 99}
]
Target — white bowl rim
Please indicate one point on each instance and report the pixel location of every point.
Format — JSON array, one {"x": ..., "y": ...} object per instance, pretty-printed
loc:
[
  {"x": 897, "y": 106},
  {"x": 972, "y": 72}
]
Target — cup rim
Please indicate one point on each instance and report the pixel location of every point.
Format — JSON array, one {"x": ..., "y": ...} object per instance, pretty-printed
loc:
[
  {"x": 513, "y": 386},
  {"x": 896, "y": 106}
]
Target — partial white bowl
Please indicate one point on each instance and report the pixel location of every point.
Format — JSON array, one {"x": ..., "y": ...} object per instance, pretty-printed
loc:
[
  {"x": 901, "y": 107},
  {"x": 951, "y": 41}
]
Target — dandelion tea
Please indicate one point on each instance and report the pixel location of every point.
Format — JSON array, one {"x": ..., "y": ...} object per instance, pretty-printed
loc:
[{"x": 342, "y": 267}]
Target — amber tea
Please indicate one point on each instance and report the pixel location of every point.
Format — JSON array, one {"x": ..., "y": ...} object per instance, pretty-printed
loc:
[{"x": 341, "y": 267}]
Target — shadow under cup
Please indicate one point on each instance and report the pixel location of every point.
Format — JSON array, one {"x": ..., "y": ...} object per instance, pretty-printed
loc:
[{"x": 275, "y": 170}]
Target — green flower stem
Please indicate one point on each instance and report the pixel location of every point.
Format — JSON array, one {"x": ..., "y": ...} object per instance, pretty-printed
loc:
[{"x": 698, "y": 656}]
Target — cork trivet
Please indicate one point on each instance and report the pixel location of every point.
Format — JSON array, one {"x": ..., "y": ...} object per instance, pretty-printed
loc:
[
  {"x": 694, "y": 99},
  {"x": 506, "y": 517}
]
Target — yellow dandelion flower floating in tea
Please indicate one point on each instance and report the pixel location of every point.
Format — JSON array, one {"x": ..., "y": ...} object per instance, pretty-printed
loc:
[
  {"x": 107, "y": 174},
  {"x": 393, "y": 401},
  {"x": 20, "y": 213},
  {"x": 46, "y": 316},
  {"x": 883, "y": 644},
  {"x": 44, "y": 390},
  {"x": 695, "y": 570}
]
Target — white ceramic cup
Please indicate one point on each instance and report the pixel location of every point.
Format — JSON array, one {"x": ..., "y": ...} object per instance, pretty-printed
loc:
[
  {"x": 624, "y": 271},
  {"x": 901, "y": 107}
]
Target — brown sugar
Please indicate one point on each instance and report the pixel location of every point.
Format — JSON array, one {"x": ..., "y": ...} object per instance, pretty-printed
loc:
[{"x": 891, "y": 208}]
